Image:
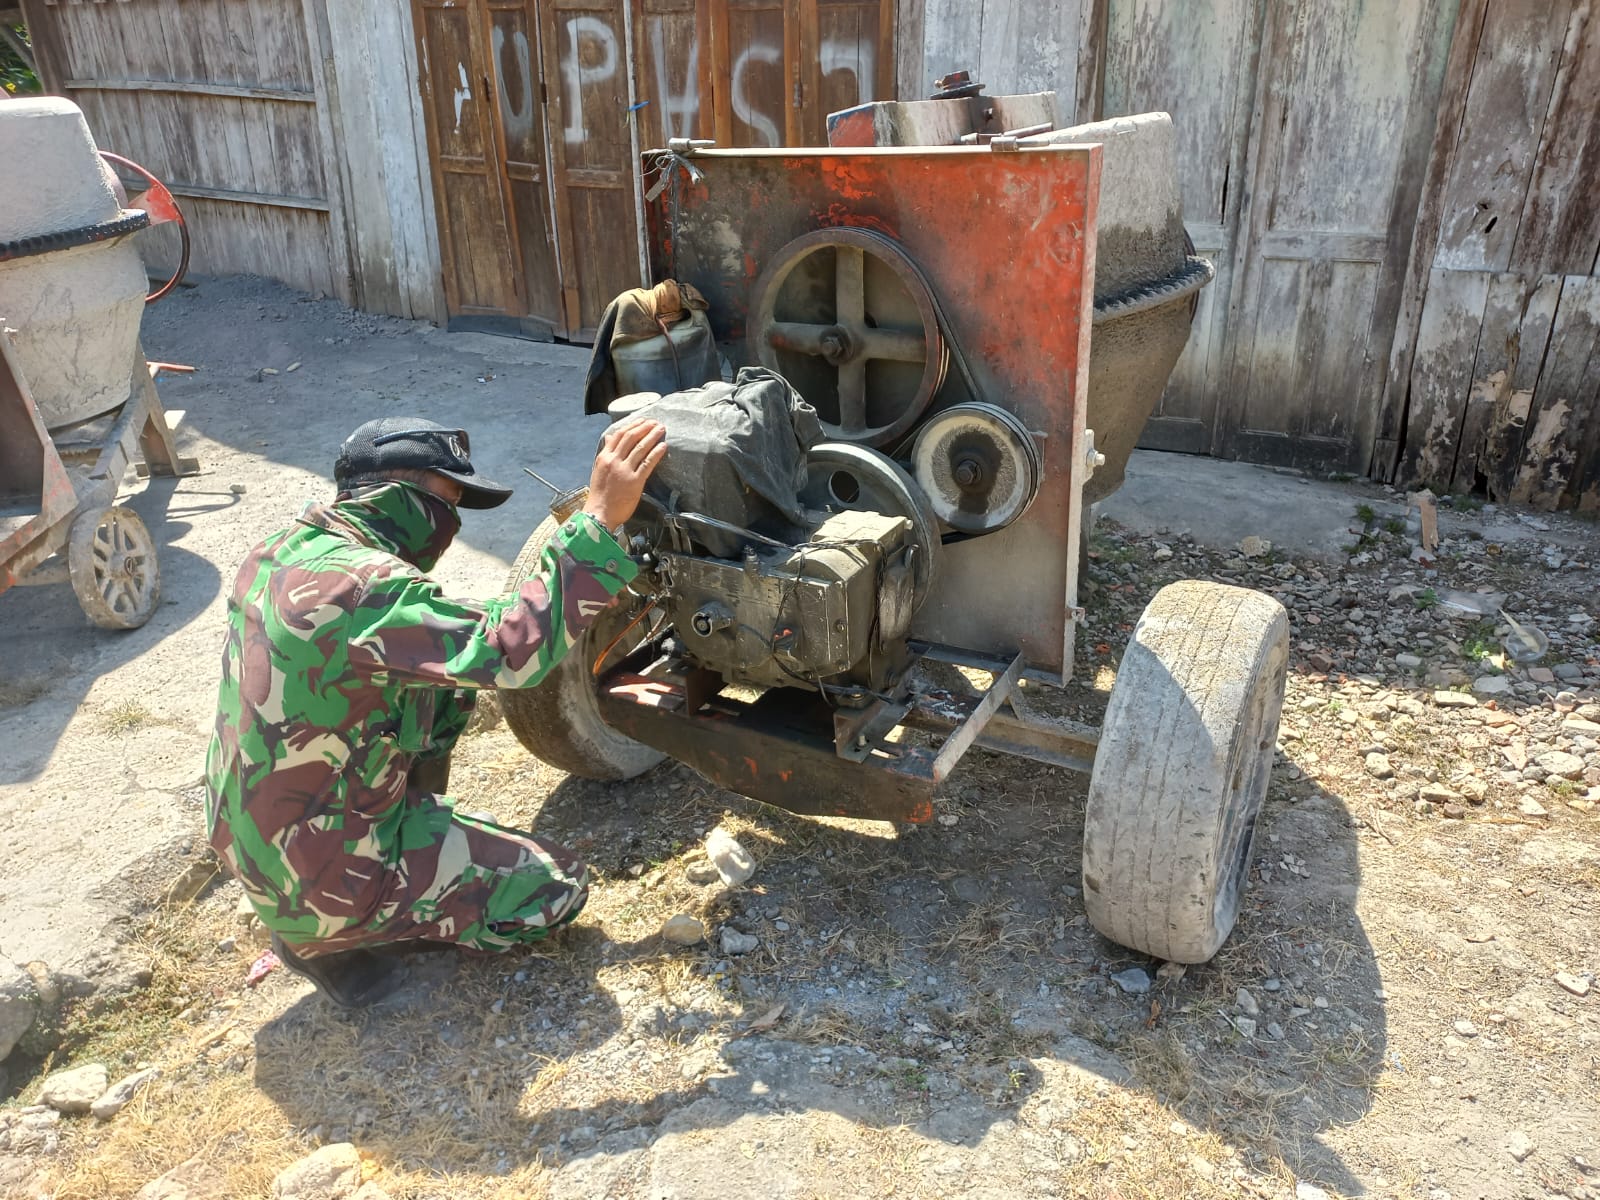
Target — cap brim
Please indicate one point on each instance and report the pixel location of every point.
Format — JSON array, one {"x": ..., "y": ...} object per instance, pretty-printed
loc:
[{"x": 476, "y": 491}]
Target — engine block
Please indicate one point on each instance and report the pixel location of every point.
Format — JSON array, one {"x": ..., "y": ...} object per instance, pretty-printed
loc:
[{"x": 834, "y": 608}]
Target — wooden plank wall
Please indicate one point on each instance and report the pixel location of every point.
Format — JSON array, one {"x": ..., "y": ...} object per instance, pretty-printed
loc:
[
  {"x": 218, "y": 98},
  {"x": 1012, "y": 46},
  {"x": 367, "y": 58},
  {"x": 1502, "y": 391}
]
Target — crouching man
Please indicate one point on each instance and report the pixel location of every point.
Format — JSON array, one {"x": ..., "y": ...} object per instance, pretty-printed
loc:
[{"x": 347, "y": 676}]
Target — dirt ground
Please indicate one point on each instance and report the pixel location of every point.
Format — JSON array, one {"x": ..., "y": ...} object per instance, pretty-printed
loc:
[{"x": 1408, "y": 1006}]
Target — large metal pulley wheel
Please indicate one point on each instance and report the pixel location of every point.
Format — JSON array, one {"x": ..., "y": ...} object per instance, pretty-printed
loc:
[
  {"x": 842, "y": 477},
  {"x": 847, "y": 318},
  {"x": 111, "y": 561},
  {"x": 979, "y": 465}
]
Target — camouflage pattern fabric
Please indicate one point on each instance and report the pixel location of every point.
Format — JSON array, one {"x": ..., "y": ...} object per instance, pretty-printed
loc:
[{"x": 344, "y": 666}]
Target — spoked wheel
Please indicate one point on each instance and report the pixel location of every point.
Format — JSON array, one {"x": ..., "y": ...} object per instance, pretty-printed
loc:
[
  {"x": 847, "y": 318},
  {"x": 558, "y": 720},
  {"x": 111, "y": 560},
  {"x": 1182, "y": 768}
]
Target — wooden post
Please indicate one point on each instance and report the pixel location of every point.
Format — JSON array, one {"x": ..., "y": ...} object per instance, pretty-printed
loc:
[{"x": 49, "y": 53}]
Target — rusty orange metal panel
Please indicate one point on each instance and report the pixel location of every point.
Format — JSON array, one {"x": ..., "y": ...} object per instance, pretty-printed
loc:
[{"x": 1006, "y": 240}]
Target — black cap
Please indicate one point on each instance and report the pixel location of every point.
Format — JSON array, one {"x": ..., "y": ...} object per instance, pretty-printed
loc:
[{"x": 379, "y": 448}]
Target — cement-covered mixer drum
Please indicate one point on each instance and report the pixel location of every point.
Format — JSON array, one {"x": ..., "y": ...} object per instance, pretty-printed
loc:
[{"x": 72, "y": 284}]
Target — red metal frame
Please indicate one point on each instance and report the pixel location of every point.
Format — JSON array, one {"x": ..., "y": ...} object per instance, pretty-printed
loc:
[{"x": 1006, "y": 239}]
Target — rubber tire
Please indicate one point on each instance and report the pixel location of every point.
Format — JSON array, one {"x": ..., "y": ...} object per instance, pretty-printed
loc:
[
  {"x": 558, "y": 720},
  {"x": 87, "y": 583},
  {"x": 1182, "y": 767}
]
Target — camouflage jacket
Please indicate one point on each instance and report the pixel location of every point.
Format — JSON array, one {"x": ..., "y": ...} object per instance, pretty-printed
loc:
[{"x": 340, "y": 670}]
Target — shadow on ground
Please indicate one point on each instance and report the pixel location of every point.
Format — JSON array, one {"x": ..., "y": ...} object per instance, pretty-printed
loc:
[
  {"x": 940, "y": 980},
  {"x": 53, "y": 656}
]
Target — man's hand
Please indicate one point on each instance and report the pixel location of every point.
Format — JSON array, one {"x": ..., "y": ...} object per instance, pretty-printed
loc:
[{"x": 628, "y": 453}]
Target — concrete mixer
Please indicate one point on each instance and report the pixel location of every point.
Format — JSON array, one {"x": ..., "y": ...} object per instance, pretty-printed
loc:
[{"x": 77, "y": 397}]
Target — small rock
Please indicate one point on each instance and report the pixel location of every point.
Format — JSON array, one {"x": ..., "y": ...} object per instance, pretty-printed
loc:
[
  {"x": 1162, "y": 552},
  {"x": 1309, "y": 1191},
  {"x": 1133, "y": 981},
  {"x": 1454, "y": 700},
  {"x": 1578, "y": 727},
  {"x": 1491, "y": 685},
  {"x": 1246, "y": 1003},
  {"x": 227, "y": 945},
  {"x": 1520, "y": 1145},
  {"x": 734, "y": 942},
  {"x": 733, "y": 862},
  {"x": 1246, "y": 1026},
  {"x": 116, "y": 1097},
  {"x": 1454, "y": 812},
  {"x": 1275, "y": 1031},
  {"x": 193, "y": 1180},
  {"x": 1408, "y": 662},
  {"x": 1465, "y": 1029},
  {"x": 1576, "y": 984},
  {"x": 1529, "y": 807},
  {"x": 702, "y": 873},
  {"x": 683, "y": 930},
  {"x": 238, "y": 489},
  {"x": 1379, "y": 767},
  {"x": 1541, "y": 675},
  {"x": 74, "y": 1091},
  {"x": 330, "y": 1173},
  {"x": 1255, "y": 547},
  {"x": 1559, "y": 762},
  {"x": 19, "y": 1004},
  {"x": 291, "y": 368},
  {"x": 1171, "y": 972}
]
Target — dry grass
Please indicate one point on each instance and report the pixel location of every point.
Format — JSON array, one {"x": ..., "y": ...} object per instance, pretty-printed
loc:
[{"x": 920, "y": 949}]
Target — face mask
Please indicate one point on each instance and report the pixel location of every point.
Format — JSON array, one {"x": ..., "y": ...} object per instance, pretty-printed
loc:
[
  {"x": 446, "y": 522},
  {"x": 416, "y": 523}
]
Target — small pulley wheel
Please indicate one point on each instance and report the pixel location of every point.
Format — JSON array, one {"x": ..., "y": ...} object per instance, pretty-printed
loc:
[
  {"x": 111, "y": 561},
  {"x": 847, "y": 318},
  {"x": 978, "y": 465},
  {"x": 842, "y": 477}
]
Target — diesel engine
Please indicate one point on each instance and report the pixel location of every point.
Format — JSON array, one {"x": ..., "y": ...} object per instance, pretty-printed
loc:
[{"x": 779, "y": 560}]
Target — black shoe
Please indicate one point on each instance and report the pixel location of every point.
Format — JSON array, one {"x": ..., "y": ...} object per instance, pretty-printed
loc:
[{"x": 349, "y": 978}]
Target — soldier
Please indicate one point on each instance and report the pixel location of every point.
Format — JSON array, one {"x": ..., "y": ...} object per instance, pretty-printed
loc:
[{"x": 347, "y": 676}]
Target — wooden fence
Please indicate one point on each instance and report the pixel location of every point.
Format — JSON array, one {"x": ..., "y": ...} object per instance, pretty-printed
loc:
[{"x": 219, "y": 98}]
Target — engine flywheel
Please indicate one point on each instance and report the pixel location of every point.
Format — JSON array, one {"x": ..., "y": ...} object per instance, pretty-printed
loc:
[
  {"x": 847, "y": 318},
  {"x": 979, "y": 466}
]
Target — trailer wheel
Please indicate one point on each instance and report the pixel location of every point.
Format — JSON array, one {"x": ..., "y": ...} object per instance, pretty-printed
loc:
[
  {"x": 558, "y": 720},
  {"x": 111, "y": 561},
  {"x": 1182, "y": 767}
]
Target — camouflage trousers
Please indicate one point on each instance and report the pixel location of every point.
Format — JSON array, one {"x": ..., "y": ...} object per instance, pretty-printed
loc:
[{"x": 465, "y": 880}]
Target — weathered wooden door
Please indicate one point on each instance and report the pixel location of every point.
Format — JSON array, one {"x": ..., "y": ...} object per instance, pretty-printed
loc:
[
  {"x": 520, "y": 92},
  {"x": 1345, "y": 106},
  {"x": 1303, "y": 130},
  {"x": 593, "y": 156},
  {"x": 475, "y": 232},
  {"x": 1151, "y": 51},
  {"x": 779, "y": 68}
]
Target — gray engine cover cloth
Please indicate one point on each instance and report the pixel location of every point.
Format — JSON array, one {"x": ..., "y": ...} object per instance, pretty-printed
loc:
[{"x": 736, "y": 452}]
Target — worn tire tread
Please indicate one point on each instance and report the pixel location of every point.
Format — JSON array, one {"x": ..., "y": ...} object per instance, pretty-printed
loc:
[
  {"x": 1199, "y": 658},
  {"x": 557, "y": 720}
]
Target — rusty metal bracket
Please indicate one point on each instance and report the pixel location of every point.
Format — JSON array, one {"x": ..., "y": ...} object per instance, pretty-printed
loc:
[{"x": 778, "y": 749}]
